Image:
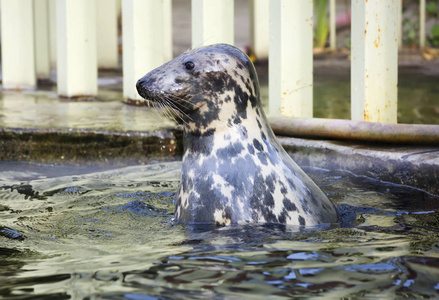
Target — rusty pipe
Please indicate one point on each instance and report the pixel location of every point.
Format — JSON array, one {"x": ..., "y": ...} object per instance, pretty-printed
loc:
[{"x": 355, "y": 130}]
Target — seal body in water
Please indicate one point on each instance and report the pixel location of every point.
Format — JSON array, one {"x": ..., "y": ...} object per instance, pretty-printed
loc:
[{"x": 234, "y": 170}]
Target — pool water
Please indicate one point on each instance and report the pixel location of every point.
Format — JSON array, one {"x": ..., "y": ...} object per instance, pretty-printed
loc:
[{"x": 108, "y": 234}]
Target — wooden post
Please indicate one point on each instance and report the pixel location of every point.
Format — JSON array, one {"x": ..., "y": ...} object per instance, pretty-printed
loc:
[
  {"x": 259, "y": 24},
  {"x": 42, "y": 50},
  {"x": 212, "y": 22},
  {"x": 291, "y": 58},
  {"x": 18, "y": 47},
  {"x": 107, "y": 38},
  {"x": 143, "y": 41},
  {"x": 76, "y": 48},
  {"x": 374, "y": 56}
]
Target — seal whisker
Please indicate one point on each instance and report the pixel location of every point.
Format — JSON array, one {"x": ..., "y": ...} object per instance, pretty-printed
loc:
[
  {"x": 172, "y": 97},
  {"x": 173, "y": 105},
  {"x": 166, "y": 110},
  {"x": 234, "y": 170},
  {"x": 178, "y": 111},
  {"x": 171, "y": 114},
  {"x": 156, "y": 109}
]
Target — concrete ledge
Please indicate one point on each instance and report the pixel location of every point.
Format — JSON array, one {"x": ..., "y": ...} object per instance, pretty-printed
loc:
[
  {"x": 77, "y": 147},
  {"x": 413, "y": 166}
]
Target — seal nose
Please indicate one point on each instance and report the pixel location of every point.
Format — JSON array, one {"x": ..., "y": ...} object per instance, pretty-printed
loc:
[{"x": 140, "y": 86}]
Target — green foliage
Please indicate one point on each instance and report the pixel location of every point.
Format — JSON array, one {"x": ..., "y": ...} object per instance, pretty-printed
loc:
[
  {"x": 322, "y": 23},
  {"x": 433, "y": 11},
  {"x": 410, "y": 31},
  {"x": 347, "y": 40},
  {"x": 434, "y": 38},
  {"x": 432, "y": 8}
]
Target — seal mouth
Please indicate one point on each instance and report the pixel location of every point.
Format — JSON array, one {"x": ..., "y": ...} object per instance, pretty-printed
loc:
[{"x": 171, "y": 106}]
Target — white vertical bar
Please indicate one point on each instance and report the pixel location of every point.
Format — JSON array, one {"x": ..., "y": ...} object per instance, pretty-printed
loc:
[
  {"x": 42, "y": 51},
  {"x": 76, "y": 48},
  {"x": 259, "y": 22},
  {"x": 290, "y": 58},
  {"x": 212, "y": 22},
  {"x": 143, "y": 41},
  {"x": 167, "y": 23},
  {"x": 52, "y": 33},
  {"x": 374, "y": 57},
  {"x": 107, "y": 38},
  {"x": 18, "y": 50},
  {"x": 422, "y": 24},
  {"x": 332, "y": 27},
  {"x": 400, "y": 24}
]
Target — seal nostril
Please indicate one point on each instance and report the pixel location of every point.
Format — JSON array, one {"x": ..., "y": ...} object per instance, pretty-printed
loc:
[{"x": 140, "y": 86}]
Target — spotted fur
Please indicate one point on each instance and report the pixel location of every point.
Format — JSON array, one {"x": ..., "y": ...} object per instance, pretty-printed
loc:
[{"x": 234, "y": 170}]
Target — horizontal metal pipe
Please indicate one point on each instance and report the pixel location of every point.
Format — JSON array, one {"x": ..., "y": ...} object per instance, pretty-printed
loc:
[{"x": 355, "y": 130}]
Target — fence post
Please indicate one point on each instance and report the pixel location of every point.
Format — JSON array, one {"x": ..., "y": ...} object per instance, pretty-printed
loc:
[
  {"x": 291, "y": 58},
  {"x": 212, "y": 22},
  {"x": 259, "y": 23},
  {"x": 42, "y": 51},
  {"x": 399, "y": 24},
  {"x": 374, "y": 58},
  {"x": 17, "y": 45},
  {"x": 167, "y": 30},
  {"x": 52, "y": 33},
  {"x": 76, "y": 48},
  {"x": 143, "y": 41},
  {"x": 422, "y": 24},
  {"x": 107, "y": 38},
  {"x": 332, "y": 27}
]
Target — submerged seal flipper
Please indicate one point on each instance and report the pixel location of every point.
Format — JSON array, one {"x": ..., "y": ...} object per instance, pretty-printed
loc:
[{"x": 234, "y": 169}]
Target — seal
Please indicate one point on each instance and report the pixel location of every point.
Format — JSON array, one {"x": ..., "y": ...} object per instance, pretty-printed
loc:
[{"x": 234, "y": 170}]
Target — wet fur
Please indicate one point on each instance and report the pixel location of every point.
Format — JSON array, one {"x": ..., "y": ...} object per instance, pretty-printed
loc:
[{"x": 234, "y": 170}]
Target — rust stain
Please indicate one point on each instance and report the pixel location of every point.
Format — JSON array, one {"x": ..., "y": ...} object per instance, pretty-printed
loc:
[
  {"x": 377, "y": 41},
  {"x": 367, "y": 116}
]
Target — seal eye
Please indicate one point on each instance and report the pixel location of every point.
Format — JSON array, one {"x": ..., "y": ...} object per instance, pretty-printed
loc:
[{"x": 189, "y": 65}]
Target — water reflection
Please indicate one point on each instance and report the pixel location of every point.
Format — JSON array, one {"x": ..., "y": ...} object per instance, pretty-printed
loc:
[
  {"x": 108, "y": 235},
  {"x": 24, "y": 110}
]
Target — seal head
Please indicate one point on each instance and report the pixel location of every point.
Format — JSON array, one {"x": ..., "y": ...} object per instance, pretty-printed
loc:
[{"x": 234, "y": 170}]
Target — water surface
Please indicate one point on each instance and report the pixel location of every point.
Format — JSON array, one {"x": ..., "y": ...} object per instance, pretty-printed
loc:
[{"x": 107, "y": 234}]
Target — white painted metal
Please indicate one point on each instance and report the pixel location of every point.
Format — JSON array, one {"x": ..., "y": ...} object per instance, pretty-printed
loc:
[
  {"x": 52, "y": 33},
  {"x": 374, "y": 56},
  {"x": 42, "y": 51},
  {"x": 212, "y": 22},
  {"x": 167, "y": 30},
  {"x": 332, "y": 27},
  {"x": 399, "y": 23},
  {"x": 143, "y": 41},
  {"x": 290, "y": 58},
  {"x": 422, "y": 23},
  {"x": 17, "y": 45},
  {"x": 107, "y": 37},
  {"x": 76, "y": 48},
  {"x": 259, "y": 24}
]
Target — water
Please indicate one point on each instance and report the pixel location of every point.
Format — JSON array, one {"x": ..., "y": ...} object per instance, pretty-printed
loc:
[
  {"x": 418, "y": 93},
  {"x": 107, "y": 234}
]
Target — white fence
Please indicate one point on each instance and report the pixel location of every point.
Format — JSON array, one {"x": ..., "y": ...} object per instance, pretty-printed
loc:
[{"x": 37, "y": 35}]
